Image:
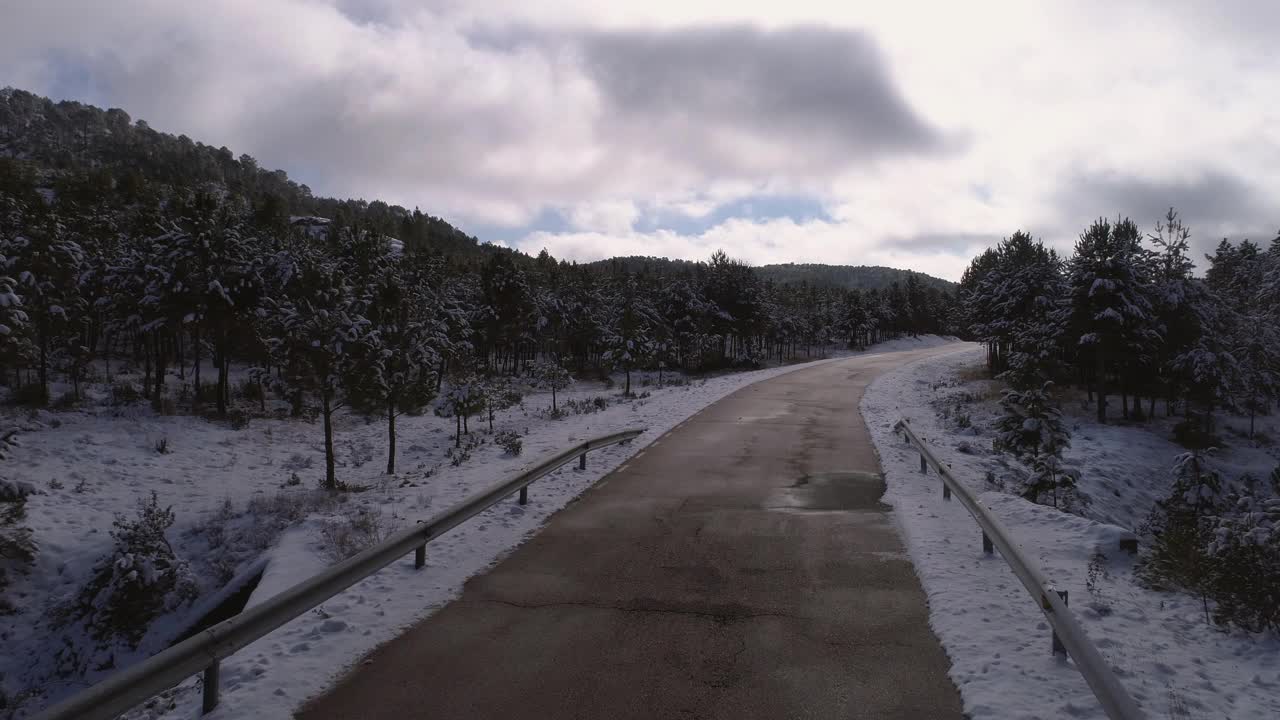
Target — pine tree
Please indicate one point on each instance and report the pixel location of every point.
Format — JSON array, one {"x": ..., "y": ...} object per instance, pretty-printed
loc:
[
  {"x": 629, "y": 337},
  {"x": 1111, "y": 312},
  {"x": 315, "y": 329},
  {"x": 46, "y": 266},
  {"x": 550, "y": 375},
  {"x": 1244, "y": 548},
  {"x": 463, "y": 398},
  {"x": 1180, "y": 526},
  {"x": 401, "y": 351}
]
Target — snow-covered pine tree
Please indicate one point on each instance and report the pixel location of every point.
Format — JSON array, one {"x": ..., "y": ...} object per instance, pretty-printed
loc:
[
  {"x": 500, "y": 393},
  {"x": 463, "y": 397},
  {"x": 1023, "y": 292},
  {"x": 17, "y": 544},
  {"x": 1244, "y": 547},
  {"x": 1177, "y": 300},
  {"x": 314, "y": 331},
  {"x": 1111, "y": 311},
  {"x": 400, "y": 354},
  {"x": 15, "y": 346},
  {"x": 1180, "y": 526},
  {"x": 628, "y": 338},
  {"x": 46, "y": 265},
  {"x": 229, "y": 290}
]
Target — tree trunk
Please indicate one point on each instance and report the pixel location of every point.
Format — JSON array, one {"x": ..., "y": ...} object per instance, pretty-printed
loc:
[
  {"x": 391, "y": 436},
  {"x": 457, "y": 435},
  {"x": 627, "y": 371},
  {"x": 326, "y": 409},
  {"x": 159, "y": 378},
  {"x": 224, "y": 382},
  {"x": 44, "y": 365},
  {"x": 195, "y": 371},
  {"x": 1101, "y": 381}
]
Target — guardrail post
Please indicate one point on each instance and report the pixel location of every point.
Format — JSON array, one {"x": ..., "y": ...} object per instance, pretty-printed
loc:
[
  {"x": 524, "y": 495},
  {"x": 946, "y": 490},
  {"x": 924, "y": 466},
  {"x": 210, "y": 688},
  {"x": 1058, "y": 648},
  {"x": 420, "y": 554},
  {"x": 987, "y": 547},
  {"x": 582, "y": 461}
]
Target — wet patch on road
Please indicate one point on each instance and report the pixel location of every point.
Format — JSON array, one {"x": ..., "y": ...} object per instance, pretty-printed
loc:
[{"x": 831, "y": 492}]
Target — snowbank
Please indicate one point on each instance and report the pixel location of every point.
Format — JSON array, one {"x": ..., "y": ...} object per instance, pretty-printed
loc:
[{"x": 1172, "y": 662}]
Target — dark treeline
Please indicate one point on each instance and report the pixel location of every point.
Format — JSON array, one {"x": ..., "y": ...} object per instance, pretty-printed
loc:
[
  {"x": 124, "y": 248},
  {"x": 1126, "y": 321}
]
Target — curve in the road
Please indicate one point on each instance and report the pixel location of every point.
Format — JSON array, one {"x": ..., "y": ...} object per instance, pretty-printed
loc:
[{"x": 740, "y": 566}]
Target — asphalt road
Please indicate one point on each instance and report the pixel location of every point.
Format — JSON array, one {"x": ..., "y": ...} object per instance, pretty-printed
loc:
[{"x": 741, "y": 566}]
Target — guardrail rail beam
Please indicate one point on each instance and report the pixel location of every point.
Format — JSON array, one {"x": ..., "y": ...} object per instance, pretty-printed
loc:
[
  {"x": 203, "y": 652},
  {"x": 1068, "y": 635}
]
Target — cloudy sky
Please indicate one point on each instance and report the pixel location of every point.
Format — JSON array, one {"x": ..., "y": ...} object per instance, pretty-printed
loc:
[{"x": 905, "y": 134}]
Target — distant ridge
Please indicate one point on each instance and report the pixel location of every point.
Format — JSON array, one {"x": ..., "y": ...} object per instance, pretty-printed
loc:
[{"x": 850, "y": 277}]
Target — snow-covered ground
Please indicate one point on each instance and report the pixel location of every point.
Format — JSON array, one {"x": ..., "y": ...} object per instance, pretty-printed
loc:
[
  {"x": 1172, "y": 662},
  {"x": 238, "y": 508}
]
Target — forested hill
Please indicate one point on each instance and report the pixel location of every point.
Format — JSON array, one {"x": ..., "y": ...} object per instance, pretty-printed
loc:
[
  {"x": 89, "y": 157},
  {"x": 849, "y": 277},
  {"x": 844, "y": 277}
]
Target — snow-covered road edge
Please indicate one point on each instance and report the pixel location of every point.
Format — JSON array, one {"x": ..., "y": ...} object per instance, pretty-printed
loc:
[
  {"x": 995, "y": 636},
  {"x": 1168, "y": 658},
  {"x": 274, "y": 676}
]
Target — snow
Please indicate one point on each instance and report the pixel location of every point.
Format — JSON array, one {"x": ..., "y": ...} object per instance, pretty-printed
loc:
[
  {"x": 1158, "y": 643},
  {"x": 92, "y": 464}
]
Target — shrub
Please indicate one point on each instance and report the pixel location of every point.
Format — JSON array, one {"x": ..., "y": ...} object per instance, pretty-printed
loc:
[
  {"x": 8, "y": 441},
  {"x": 162, "y": 446},
  {"x": 1031, "y": 430},
  {"x": 1244, "y": 548},
  {"x": 298, "y": 461},
  {"x": 347, "y": 535},
  {"x": 238, "y": 419},
  {"x": 1191, "y": 435},
  {"x": 1179, "y": 527},
  {"x": 137, "y": 582},
  {"x": 124, "y": 392},
  {"x": 509, "y": 441},
  {"x": 17, "y": 547}
]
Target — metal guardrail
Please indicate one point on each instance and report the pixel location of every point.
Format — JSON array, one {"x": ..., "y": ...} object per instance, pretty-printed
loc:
[
  {"x": 203, "y": 651},
  {"x": 1068, "y": 635}
]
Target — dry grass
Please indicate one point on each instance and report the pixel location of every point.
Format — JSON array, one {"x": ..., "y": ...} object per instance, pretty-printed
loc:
[{"x": 355, "y": 530}]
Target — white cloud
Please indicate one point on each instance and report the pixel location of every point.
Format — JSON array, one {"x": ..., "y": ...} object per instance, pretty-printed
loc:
[{"x": 489, "y": 112}]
